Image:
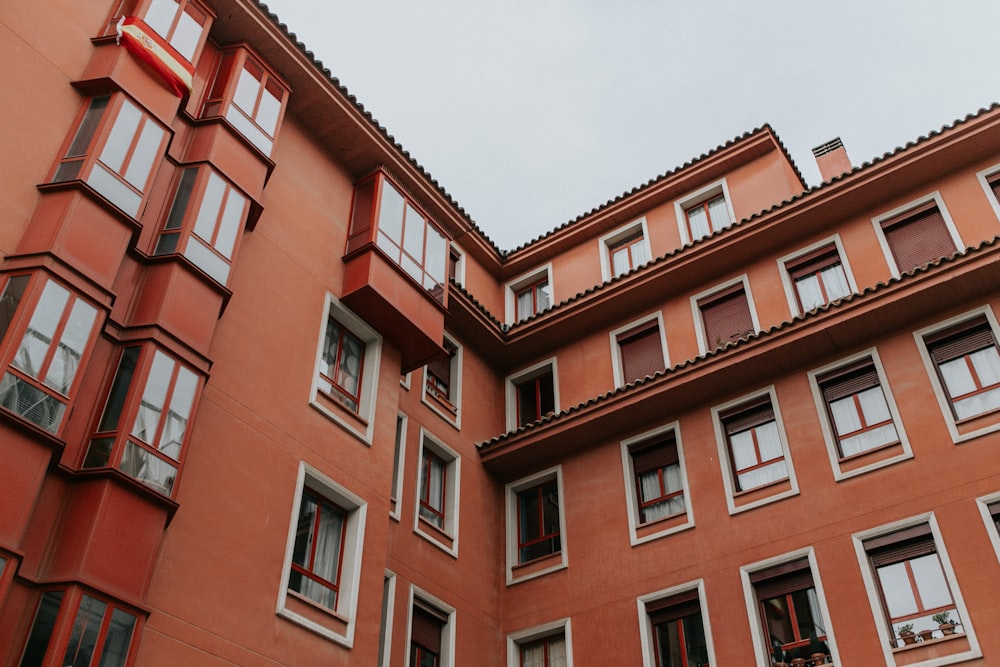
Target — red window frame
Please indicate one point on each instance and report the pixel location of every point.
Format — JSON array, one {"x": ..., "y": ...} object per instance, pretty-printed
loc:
[
  {"x": 712, "y": 223},
  {"x": 525, "y": 540},
  {"x": 627, "y": 248},
  {"x": 71, "y": 621},
  {"x": 777, "y": 591},
  {"x": 748, "y": 418},
  {"x": 20, "y": 301},
  {"x": 961, "y": 342},
  {"x": 545, "y": 643},
  {"x": 813, "y": 264},
  {"x": 850, "y": 382},
  {"x": 204, "y": 201},
  {"x": 105, "y": 121},
  {"x": 538, "y": 296},
  {"x": 656, "y": 455},
  {"x": 197, "y": 12},
  {"x": 439, "y": 376},
  {"x": 115, "y": 441},
  {"x": 221, "y": 98},
  {"x": 542, "y": 389},
  {"x": 682, "y": 612},
  {"x": 340, "y": 393},
  {"x": 432, "y": 509},
  {"x": 309, "y": 567}
]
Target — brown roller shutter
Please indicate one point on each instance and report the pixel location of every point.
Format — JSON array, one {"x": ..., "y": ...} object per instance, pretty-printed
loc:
[
  {"x": 852, "y": 379},
  {"x": 441, "y": 366},
  {"x": 741, "y": 418},
  {"x": 674, "y": 607},
  {"x": 426, "y": 630},
  {"x": 782, "y": 580},
  {"x": 959, "y": 340},
  {"x": 902, "y": 545},
  {"x": 641, "y": 352},
  {"x": 918, "y": 238},
  {"x": 813, "y": 262},
  {"x": 651, "y": 455},
  {"x": 726, "y": 318}
]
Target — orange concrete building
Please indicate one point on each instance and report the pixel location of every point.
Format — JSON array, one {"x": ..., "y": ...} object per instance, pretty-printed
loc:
[{"x": 268, "y": 396}]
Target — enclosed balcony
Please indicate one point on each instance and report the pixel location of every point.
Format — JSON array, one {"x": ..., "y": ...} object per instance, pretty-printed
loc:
[{"x": 396, "y": 270}]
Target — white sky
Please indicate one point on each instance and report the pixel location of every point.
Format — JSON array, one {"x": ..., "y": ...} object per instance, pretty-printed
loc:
[{"x": 533, "y": 112}]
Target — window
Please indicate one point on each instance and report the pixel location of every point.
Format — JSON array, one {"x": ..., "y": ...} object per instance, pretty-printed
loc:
[
  {"x": 398, "y": 458},
  {"x": 968, "y": 366},
  {"x": 385, "y": 624},
  {"x": 704, "y": 212},
  {"x": 624, "y": 249},
  {"x": 456, "y": 265},
  {"x": 443, "y": 382},
  {"x": 47, "y": 332},
  {"x": 181, "y": 23},
  {"x": 789, "y": 610},
  {"x": 640, "y": 351},
  {"x": 918, "y": 235},
  {"x": 535, "y": 525},
  {"x": 437, "y": 494},
  {"x": 144, "y": 427},
  {"x": 102, "y": 632},
  {"x": 249, "y": 96},
  {"x": 115, "y": 150},
  {"x": 533, "y": 395},
  {"x": 756, "y": 452},
  {"x": 726, "y": 316},
  {"x": 857, "y": 408},
  {"x": 529, "y": 295},
  {"x": 347, "y": 362},
  {"x": 322, "y": 568},
  {"x": 659, "y": 480},
  {"x": 678, "y": 630},
  {"x": 818, "y": 278},
  {"x": 912, "y": 582},
  {"x": 431, "y": 632},
  {"x": 204, "y": 221},
  {"x": 546, "y": 645}
]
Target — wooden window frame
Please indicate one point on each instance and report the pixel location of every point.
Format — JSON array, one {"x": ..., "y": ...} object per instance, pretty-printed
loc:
[
  {"x": 535, "y": 382},
  {"x": 539, "y": 491},
  {"x": 308, "y": 570},
  {"x": 350, "y": 401},
  {"x": 644, "y": 461},
  {"x": 813, "y": 264},
  {"x": 750, "y": 416},
  {"x": 850, "y": 381},
  {"x": 535, "y": 289},
  {"x": 960, "y": 341}
]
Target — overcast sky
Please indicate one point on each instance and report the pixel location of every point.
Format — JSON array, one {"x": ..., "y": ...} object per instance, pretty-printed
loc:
[{"x": 533, "y": 112}]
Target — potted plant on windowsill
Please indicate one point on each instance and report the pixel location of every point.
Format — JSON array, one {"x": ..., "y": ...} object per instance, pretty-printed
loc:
[
  {"x": 905, "y": 632},
  {"x": 943, "y": 619}
]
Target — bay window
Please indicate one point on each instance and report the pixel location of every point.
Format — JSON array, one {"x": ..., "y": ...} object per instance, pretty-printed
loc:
[
  {"x": 47, "y": 331},
  {"x": 115, "y": 150},
  {"x": 143, "y": 430},
  {"x": 204, "y": 221},
  {"x": 181, "y": 23}
]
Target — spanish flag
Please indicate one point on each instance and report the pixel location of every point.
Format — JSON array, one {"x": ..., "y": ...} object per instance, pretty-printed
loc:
[{"x": 143, "y": 42}]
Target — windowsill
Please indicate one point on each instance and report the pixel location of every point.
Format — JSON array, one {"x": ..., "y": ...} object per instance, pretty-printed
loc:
[
  {"x": 758, "y": 490},
  {"x": 318, "y": 607},
  {"x": 444, "y": 403},
  {"x": 338, "y": 414},
  {"x": 868, "y": 452},
  {"x": 659, "y": 528},
  {"x": 871, "y": 460},
  {"x": 536, "y": 568},
  {"x": 316, "y": 618},
  {"x": 935, "y": 648},
  {"x": 221, "y": 120},
  {"x": 83, "y": 186},
  {"x": 436, "y": 536}
]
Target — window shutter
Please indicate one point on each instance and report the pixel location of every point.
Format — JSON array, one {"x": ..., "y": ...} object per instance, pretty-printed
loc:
[
  {"x": 674, "y": 607},
  {"x": 651, "y": 455},
  {"x": 782, "y": 580},
  {"x": 727, "y": 318},
  {"x": 426, "y": 630},
  {"x": 641, "y": 352},
  {"x": 918, "y": 239},
  {"x": 853, "y": 379},
  {"x": 995, "y": 186},
  {"x": 899, "y": 546},
  {"x": 441, "y": 366},
  {"x": 813, "y": 262},
  {"x": 960, "y": 340},
  {"x": 748, "y": 415}
]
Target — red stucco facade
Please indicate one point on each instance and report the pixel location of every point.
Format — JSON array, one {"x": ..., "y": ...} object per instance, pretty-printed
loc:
[{"x": 269, "y": 396}]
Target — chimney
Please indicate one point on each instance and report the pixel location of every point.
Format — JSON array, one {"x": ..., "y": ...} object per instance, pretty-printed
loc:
[{"x": 832, "y": 160}]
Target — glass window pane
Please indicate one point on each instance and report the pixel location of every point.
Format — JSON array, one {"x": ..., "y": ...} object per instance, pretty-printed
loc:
[
  {"x": 619, "y": 261},
  {"x": 835, "y": 282},
  {"x": 247, "y": 88},
  {"x": 436, "y": 258},
  {"x": 118, "y": 639},
  {"x": 146, "y": 150},
  {"x": 761, "y": 476},
  {"x": 525, "y": 304},
  {"x": 75, "y": 335},
  {"x": 31, "y": 403},
  {"x": 719, "y": 213},
  {"x": 744, "y": 454},
  {"x": 118, "y": 193},
  {"x": 206, "y": 260},
  {"x": 211, "y": 203},
  {"x": 186, "y": 36},
  {"x": 81, "y": 142},
  {"x": 328, "y": 543},
  {"x": 768, "y": 441},
  {"x": 896, "y": 590},
  {"x": 232, "y": 221},
  {"x": 181, "y": 404},
  {"x": 987, "y": 366},
  {"x": 9, "y": 301},
  {"x": 413, "y": 234},
  {"x": 181, "y": 199},
  {"x": 149, "y": 469},
  {"x": 874, "y": 406},
  {"x": 543, "y": 296},
  {"x": 390, "y": 217},
  {"x": 267, "y": 113},
  {"x": 160, "y": 16},
  {"x": 957, "y": 377},
  {"x": 810, "y": 294},
  {"x": 83, "y": 639},
  {"x": 931, "y": 584},
  {"x": 42, "y": 327},
  {"x": 845, "y": 415},
  {"x": 147, "y": 418},
  {"x": 120, "y": 137},
  {"x": 698, "y": 221},
  {"x": 41, "y": 629}
]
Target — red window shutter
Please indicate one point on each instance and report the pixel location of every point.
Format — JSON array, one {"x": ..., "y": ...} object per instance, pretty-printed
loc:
[
  {"x": 746, "y": 416},
  {"x": 782, "y": 580},
  {"x": 641, "y": 352},
  {"x": 651, "y": 455},
  {"x": 902, "y": 545},
  {"x": 962, "y": 339},
  {"x": 727, "y": 318},
  {"x": 918, "y": 238},
  {"x": 852, "y": 379},
  {"x": 674, "y": 607},
  {"x": 441, "y": 366},
  {"x": 813, "y": 262},
  {"x": 426, "y": 630}
]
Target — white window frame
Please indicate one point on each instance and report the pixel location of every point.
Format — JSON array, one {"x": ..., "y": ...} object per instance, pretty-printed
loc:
[
  {"x": 758, "y": 631},
  {"x": 388, "y": 611},
  {"x": 944, "y": 403},
  {"x": 350, "y": 573},
  {"x": 902, "y": 211},
  {"x": 544, "y": 631},
  {"x": 699, "y": 196},
  {"x": 699, "y": 331},
  {"x": 418, "y": 596},
  {"x": 454, "y": 387},
  {"x": 529, "y": 373},
  {"x": 824, "y": 420},
  {"x": 616, "y": 350},
  {"x": 722, "y": 442},
  {"x": 399, "y": 461},
  {"x": 369, "y": 374},
  {"x": 510, "y": 494},
  {"x": 646, "y": 636},
  {"x": 983, "y": 177},
  {"x": 459, "y": 264},
  {"x": 983, "y": 503},
  {"x": 452, "y": 487},
  {"x": 636, "y": 227},
  {"x": 789, "y": 285},
  {"x": 512, "y": 286},
  {"x": 631, "y": 495},
  {"x": 874, "y": 598}
]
